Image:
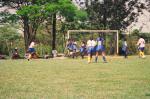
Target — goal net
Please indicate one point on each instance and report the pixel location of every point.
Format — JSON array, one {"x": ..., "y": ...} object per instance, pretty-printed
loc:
[{"x": 111, "y": 38}]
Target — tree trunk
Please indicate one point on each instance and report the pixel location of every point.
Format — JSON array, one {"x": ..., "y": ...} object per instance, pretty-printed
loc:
[
  {"x": 29, "y": 32},
  {"x": 26, "y": 32},
  {"x": 54, "y": 32},
  {"x": 105, "y": 18}
]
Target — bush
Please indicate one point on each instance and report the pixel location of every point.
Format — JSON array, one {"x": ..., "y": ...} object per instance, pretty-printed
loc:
[{"x": 41, "y": 49}]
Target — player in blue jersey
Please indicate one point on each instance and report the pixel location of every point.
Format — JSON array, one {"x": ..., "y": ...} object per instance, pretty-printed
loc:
[
  {"x": 83, "y": 49},
  {"x": 125, "y": 48},
  {"x": 100, "y": 48}
]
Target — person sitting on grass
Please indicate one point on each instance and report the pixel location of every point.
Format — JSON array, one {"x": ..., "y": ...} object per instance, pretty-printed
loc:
[
  {"x": 15, "y": 54},
  {"x": 2, "y": 56},
  {"x": 72, "y": 48}
]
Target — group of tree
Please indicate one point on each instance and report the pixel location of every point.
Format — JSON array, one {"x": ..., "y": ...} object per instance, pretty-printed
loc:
[
  {"x": 34, "y": 12},
  {"x": 113, "y": 14}
]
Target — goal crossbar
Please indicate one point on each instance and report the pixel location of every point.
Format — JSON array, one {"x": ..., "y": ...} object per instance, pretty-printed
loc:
[{"x": 98, "y": 31}]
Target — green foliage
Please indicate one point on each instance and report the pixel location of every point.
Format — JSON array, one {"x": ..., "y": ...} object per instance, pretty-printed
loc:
[
  {"x": 112, "y": 13},
  {"x": 8, "y": 37},
  {"x": 7, "y": 32},
  {"x": 40, "y": 8},
  {"x": 6, "y": 17},
  {"x": 3, "y": 48},
  {"x": 51, "y": 8},
  {"x": 135, "y": 32},
  {"x": 81, "y": 15},
  {"x": 32, "y": 11},
  {"x": 41, "y": 49}
]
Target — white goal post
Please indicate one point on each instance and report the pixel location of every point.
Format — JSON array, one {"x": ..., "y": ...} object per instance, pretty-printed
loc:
[{"x": 116, "y": 32}]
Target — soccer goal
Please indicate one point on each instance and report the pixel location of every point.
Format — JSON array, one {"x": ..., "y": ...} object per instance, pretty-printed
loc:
[{"x": 114, "y": 34}]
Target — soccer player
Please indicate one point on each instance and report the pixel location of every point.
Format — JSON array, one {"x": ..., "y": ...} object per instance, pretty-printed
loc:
[
  {"x": 72, "y": 48},
  {"x": 75, "y": 48},
  {"x": 125, "y": 48},
  {"x": 69, "y": 46},
  {"x": 83, "y": 49},
  {"x": 31, "y": 49},
  {"x": 90, "y": 48},
  {"x": 141, "y": 47},
  {"x": 100, "y": 48}
]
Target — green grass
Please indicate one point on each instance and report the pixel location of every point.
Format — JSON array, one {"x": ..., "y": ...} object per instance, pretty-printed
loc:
[{"x": 75, "y": 79}]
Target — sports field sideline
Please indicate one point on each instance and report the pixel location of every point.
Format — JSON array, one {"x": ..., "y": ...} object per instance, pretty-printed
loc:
[{"x": 75, "y": 79}]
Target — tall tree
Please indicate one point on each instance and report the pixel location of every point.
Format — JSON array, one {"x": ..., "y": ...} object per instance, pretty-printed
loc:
[
  {"x": 64, "y": 8},
  {"x": 30, "y": 15},
  {"x": 112, "y": 14}
]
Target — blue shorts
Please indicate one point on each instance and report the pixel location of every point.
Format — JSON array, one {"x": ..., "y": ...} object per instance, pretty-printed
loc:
[
  {"x": 141, "y": 49},
  {"x": 90, "y": 50},
  {"x": 31, "y": 50},
  {"x": 100, "y": 48},
  {"x": 75, "y": 47},
  {"x": 124, "y": 48},
  {"x": 82, "y": 49}
]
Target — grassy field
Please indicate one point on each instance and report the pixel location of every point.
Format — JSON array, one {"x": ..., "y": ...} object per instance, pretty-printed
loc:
[{"x": 75, "y": 79}]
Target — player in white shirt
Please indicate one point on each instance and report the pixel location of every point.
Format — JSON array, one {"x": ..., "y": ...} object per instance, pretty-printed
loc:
[
  {"x": 31, "y": 49},
  {"x": 141, "y": 47},
  {"x": 90, "y": 48}
]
